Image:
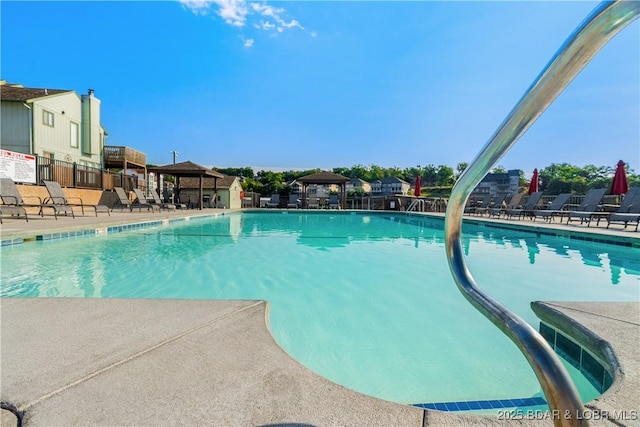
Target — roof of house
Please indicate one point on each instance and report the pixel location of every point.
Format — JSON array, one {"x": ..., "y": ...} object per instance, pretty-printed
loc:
[
  {"x": 19, "y": 93},
  {"x": 358, "y": 180},
  {"x": 392, "y": 180},
  {"x": 186, "y": 169},
  {"x": 323, "y": 178},
  {"x": 490, "y": 177}
]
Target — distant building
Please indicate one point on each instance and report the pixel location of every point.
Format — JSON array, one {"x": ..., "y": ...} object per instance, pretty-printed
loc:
[
  {"x": 52, "y": 123},
  {"x": 296, "y": 187},
  {"x": 494, "y": 183},
  {"x": 390, "y": 185},
  {"x": 355, "y": 184}
]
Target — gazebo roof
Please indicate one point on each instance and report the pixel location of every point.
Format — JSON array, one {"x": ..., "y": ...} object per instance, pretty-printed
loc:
[
  {"x": 186, "y": 169},
  {"x": 323, "y": 178}
]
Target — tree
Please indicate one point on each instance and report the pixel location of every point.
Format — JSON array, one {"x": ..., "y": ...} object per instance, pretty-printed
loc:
[
  {"x": 430, "y": 175},
  {"x": 499, "y": 169},
  {"x": 563, "y": 178},
  {"x": 444, "y": 176},
  {"x": 460, "y": 168}
]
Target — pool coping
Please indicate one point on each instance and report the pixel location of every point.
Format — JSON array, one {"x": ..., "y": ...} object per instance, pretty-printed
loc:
[{"x": 199, "y": 362}]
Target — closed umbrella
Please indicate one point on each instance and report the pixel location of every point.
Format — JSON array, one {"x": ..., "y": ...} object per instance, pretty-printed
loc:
[
  {"x": 416, "y": 192},
  {"x": 533, "y": 185},
  {"x": 619, "y": 184}
]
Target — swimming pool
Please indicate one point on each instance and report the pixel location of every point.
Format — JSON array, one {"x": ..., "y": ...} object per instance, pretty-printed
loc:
[{"x": 363, "y": 299}]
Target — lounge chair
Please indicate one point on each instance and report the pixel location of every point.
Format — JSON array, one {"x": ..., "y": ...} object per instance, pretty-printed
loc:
[
  {"x": 629, "y": 210},
  {"x": 141, "y": 202},
  {"x": 554, "y": 209},
  {"x": 312, "y": 201},
  {"x": 189, "y": 201},
  {"x": 158, "y": 201},
  {"x": 498, "y": 200},
  {"x": 334, "y": 203},
  {"x": 11, "y": 200},
  {"x": 57, "y": 197},
  {"x": 293, "y": 201},
  {"x": 472, "y": 206},
  {"x": 528, "y": 208},
  {"x": 274, "y": 202},
  {"x": 587, "y": 209},
  {"x": 123, "y": 199},
  {"x": 514, "y": 203}
]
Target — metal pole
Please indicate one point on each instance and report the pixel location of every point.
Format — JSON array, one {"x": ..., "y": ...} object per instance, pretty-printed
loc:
[{"x": 606, "y": 20}]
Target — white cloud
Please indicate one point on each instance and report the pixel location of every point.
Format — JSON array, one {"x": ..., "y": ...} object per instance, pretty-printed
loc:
[
  {"x": 199, "y": 7},
  {"x": 265, "y": 25},
  {"x": 238, "y": 12},
  {"x": 234, "y": 12}
]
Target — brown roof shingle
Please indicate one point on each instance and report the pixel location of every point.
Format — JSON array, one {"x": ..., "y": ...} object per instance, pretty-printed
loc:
[{"x": 17, "y": 93}]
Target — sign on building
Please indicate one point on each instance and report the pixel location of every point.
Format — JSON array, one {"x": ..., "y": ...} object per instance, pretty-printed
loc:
[{"x": 18, "y": 166}]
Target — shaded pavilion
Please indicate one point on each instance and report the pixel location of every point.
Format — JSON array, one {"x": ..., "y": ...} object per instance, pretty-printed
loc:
[
  {"x": 190, "y": 170},
  {"x": 325, "y": 178}
]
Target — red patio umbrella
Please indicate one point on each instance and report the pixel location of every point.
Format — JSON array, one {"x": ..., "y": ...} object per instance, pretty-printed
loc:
[
  {"x": 416, "y": 192},
  {"x": 619, "y": 184},
  {"x": 533, "y": 185}
]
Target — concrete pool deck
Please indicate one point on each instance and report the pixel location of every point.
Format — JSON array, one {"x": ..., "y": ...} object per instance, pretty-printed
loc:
[{"x": 168, "y": 362}]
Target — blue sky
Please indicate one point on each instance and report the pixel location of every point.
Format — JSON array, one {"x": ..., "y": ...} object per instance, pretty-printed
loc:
[{"x": 301, "y": 85}]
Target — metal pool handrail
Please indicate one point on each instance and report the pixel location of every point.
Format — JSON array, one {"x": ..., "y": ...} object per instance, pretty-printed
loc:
[{"x": 606, "y": 20}]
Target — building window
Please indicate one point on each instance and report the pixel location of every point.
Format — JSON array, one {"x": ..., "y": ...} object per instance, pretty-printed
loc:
[
  {"x": 47, "y": 118},
  {"x": 74, "y": 130}
]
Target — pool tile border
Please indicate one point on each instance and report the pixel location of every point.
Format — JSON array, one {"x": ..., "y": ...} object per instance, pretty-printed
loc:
[
  {"x": 97, "y": 231},
  {"x": 578, "y": 356},
  {"x": 478, "y": 405}
]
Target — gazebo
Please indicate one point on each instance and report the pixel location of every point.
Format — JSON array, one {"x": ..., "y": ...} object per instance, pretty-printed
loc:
[
  {"x": 191, "y": 170},
  {"x": 325, "y": 178}
]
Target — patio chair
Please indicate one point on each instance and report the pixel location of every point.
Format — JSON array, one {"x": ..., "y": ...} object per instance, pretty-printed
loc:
[
  {"x": 57, "y": 197},
  {"x": 274, "y": 202},
  {"x": 141, "y": 202},
  {"x": 312, "y": 201},
  {"x": 11, "y": 200},
  {"x": 629, "y": 210},
  {"x": 123, "y": 199},
  {"x": 514, "y": 203},
  {"x": 293, "y": 201},
  {"x": 334, "y": 203},
  {"x": 472, "y": 206},
  {"x": 158, "y": 201},
  {"x": 554, "y": 209},
  {"x": 588, "y": 208},
  {"x": 498, "y": 200},
  {"x": 528, "y": 208}
]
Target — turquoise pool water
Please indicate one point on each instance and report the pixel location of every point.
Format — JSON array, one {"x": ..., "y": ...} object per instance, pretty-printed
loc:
[{"x": 365, "y": 300}]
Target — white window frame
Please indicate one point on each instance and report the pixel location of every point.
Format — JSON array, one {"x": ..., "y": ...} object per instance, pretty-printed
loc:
[
  {"x": 47, "y": 118},
  {"x": 74, "y": 134}
]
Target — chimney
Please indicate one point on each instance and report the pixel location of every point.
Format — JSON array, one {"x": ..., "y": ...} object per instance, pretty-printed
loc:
[{"x": 90, "y": 92}]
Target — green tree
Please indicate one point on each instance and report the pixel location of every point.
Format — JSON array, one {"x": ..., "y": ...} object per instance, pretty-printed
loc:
[
  {"x": 460, "y": 168},
  {"x": 563, "y": 178},
  {"x": 444, "y": 176},
  {"x": 430, "y": 176},
  {"x": 499, "y": 169}
]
